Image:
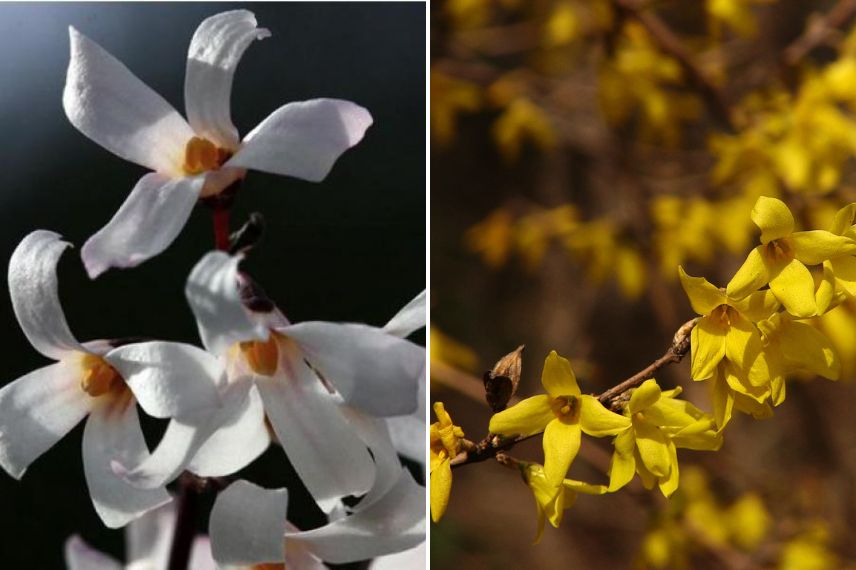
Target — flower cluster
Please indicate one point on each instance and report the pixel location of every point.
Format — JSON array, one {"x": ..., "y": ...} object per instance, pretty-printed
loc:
[{"x": 342, "y": 400}]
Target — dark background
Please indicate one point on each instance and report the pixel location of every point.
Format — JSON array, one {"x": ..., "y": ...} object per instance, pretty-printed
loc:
[{"x": 351, "y": 248}]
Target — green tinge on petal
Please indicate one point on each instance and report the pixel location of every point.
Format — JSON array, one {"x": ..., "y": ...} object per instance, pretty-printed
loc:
[
  {"x": 561, "y": 444},
  {"x": 703, "y": 296},
  {"x": 810, "y": 349},
  {"x": 773, "y": 218},
  {"x": 597, "y": 421},
  {"x": 583, "y": 487},
  {"x": 752, "y": 275},
  {"x": 707, "y": 342},
  {"x": 669, "y": 485},
  {"x": 558, "y": 377},
  {"x": 441, "y": 486},
  {"x": 623, "y": 465},
  {"x": 794, "y": 287},
  {"x": 645, "y": 395},
  {"x": 816, "y": 246},
  {"x": 844, "y": 272},
  {"x": 653, "y": 448},
  {"x": 525, "y": 418}
]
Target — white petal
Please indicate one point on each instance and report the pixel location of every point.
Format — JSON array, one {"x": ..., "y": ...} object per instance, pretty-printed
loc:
[
  {"x": 303, "y": 139},
  {"x": 215, "y": 50},
  {"x": 408, "y": 436},
  {"x": 413, "y": 559},
  {"x": 81, "y": 556},
  {"x": 200, "y": 555},
  {"x": 146, "y": 224},
  {"x": 329, "y": 457},
  {"x": 409, "y": 319},
  {"x": 113, "y": 432},
  {"x": 148, "y": 539},
  {"x": 111, "y": 106},
  {"x": 394, "y": 523},
  {"x": 214, "y": 296},
  {"x": 247, "y": 524},
  {"x": 374, "y": 371},
  {"x": 374, "y": 432},
  {"x": 169, "y": 379},
  {"x": 36, "y": 411},
  {"x": 35, "y": 297}
]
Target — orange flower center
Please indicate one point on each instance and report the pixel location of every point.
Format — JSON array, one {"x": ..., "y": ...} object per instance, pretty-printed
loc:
[
  {"x": 202, "y": 155},
  {"x": 566, "y": 408},
  {"x": 262, "y": 356},
  {"x": 98, "y": 376},
  {"x": 780, "y": 249}
]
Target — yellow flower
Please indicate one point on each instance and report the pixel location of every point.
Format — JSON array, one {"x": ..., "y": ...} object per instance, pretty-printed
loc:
[
  {"x": 660, "y": 424},
  {"x": 562, "y": 414},
  {"x": 445, "y": 445},
  {"x": 843, "y": 267},
  {"x": 725, "y": 330},
  {"x": 809, "y": 550},
  {"x": 782, "y": 257},
  {"x": 551, "y": 501},
  {"x": 730, "y": 390},
  {"x": 799, "y": 346}
]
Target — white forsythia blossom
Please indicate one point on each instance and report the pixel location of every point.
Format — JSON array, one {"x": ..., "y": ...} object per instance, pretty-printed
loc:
[
  {"x": 94, "y": 379},
  {"x": 202, "y": 155},
  {"x": 269, "y": 358}
]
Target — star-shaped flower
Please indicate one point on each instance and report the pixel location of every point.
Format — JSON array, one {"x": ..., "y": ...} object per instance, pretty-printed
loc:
[{"x": 198, "y": 157}]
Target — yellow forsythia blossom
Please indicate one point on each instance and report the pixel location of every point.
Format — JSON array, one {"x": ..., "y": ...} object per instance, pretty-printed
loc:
[
  {"x": 550, "y": 502},
  {"x": 809, "y": 551},
  {"x": 660, "y": 424},
  {"x": 562, "y": 414},
  {"x": 445, "y": 445},
  {"x": 522, "y": 121}
]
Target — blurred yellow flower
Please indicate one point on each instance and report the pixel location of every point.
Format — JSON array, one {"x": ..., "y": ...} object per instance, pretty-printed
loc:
[
  {"x": 551, "y": 501},
  {"x": 445, "y": 438}
]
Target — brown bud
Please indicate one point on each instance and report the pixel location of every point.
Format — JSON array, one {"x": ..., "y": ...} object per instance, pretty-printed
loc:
[{"x": 500, "y": 384}]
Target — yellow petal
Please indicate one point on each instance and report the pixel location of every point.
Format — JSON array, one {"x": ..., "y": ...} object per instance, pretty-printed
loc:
[
  {"x": 757, "y": 306},
  {"x": 738, "y": 380},
  {"x": 700, "y": 436},
  {"x": 816, "y": 246},
  {"x": 648, "y": 478},
  {"x": 738, "y": 339},
  {"x": 527, "y": 417},
  {"x": 773, "y": 218},
  {"x": 672, "y": 414},
  {"x": 707, "y": 342},
  {"x": 752, "y": 407},
  {"x": 825, "y": 293},
  {"x": 644, "y": 396},
  {"x": 794, "y": 287},
  {"x": 704, "y": 297},
  {"x": 558, "y": 378},
  {"x": 597, "y": 421},
  {"x": 561, "y": 444},
  {"x": 843, "y": 219},
  {"x": 583, "y": 487},
  {"x": 844, "y": 272},
  {"x": 752, "y": 275},
  {"x": 653, "y": 448},
  {"x": 441, "y": 486},
  {"x": 723, "y": 401},
  {"x": 777, "y": 390},
  {"x": 623, "y": 465},
  {"x": 669, "y": 485},
  {"x": 811, "y": 349}
]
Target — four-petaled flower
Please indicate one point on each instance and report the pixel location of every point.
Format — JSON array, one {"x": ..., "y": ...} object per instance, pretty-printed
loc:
[{"x": 445, "y": 440}]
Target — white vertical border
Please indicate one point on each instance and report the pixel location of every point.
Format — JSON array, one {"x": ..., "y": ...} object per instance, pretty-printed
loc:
[{"x": 427, "y": 283}]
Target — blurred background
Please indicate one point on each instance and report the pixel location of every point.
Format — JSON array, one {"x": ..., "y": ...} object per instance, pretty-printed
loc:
[
  {"x": 581, "y": 151},
  {"x": 348, "y": 249}
]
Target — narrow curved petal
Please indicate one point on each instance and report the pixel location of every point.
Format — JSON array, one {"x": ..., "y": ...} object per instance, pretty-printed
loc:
[
  {"x": 751, "y": 276},
  {"x": 794, "y": 287},
  {"x": 653, "y": 448},
  {"x": 247, "y": 524},
  {"x": 528, "y": 417},
  {"x": 303, "y": 139},
  {"x": 558, "y": 377},
  {"x": 409, "y": 319},
  {"x": 111, "y": 106},
  {"x": 169, "y": 379},
  {"x": 394, "y": 523},
  {"x": 816, "y": 246},
  {"x": 411, "y": 559},
  {"x": 623, "y": 466},
  {"x": 376, "y": 435},
  {"x": 35, "y": 297},
  {"x": 408, "y": 432},
  {"x": 669, "y": 485},
  {"x": 644, "y": 396},
  {"x": 148, "y": 539},
  {"x": 441, "y": 487},
  {"x": 561, "y": 445},
  {"x": 36, "y": 411},
  {"x": 214, "y": 296},
  {"x": 146, "y": 224},
  {"x": 707, "y": 342},
  {"x": 374, "y": 371},
  {"x": 324, "y": 449},
  {"x": 773, "y": 218},
  {"x": 113, "y": 433},
  {"x": 215, "y": 50},
  {"x": 597, "y": 421},
  {"x": 704, "y": 297},
  {"x": 81, "y": 556},
  {"x": 723, "y": 401}
]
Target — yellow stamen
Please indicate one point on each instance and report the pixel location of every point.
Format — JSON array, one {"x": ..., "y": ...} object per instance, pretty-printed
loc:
[
  {"x": 261, "y": 356},
  {"x": 98, "y": 376},
  {"x": 201, "y": 155}
]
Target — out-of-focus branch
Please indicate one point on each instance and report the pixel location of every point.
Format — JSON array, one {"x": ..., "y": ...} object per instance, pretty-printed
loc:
[
  {"x": 818, "y": 31},
  {"x": 668, "y": 43}
]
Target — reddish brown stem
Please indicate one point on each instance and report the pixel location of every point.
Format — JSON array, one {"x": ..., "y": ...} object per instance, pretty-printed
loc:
[{"x": 220, "y": 215}]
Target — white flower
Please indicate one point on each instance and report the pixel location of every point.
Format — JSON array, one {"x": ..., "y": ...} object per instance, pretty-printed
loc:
[
  {"x": 148, "y": 543},
  {"x": 94, "y": 379},
  {"x": 198, "y": 157},
  {"x": 359, "y": 365}
]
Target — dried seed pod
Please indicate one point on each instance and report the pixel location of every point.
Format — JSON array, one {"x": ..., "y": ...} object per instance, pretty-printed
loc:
[{"x": 500, "y": 384}]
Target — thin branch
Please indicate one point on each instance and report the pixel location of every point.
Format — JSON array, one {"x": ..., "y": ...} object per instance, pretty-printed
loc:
[{"x": 818, "y": 31}]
